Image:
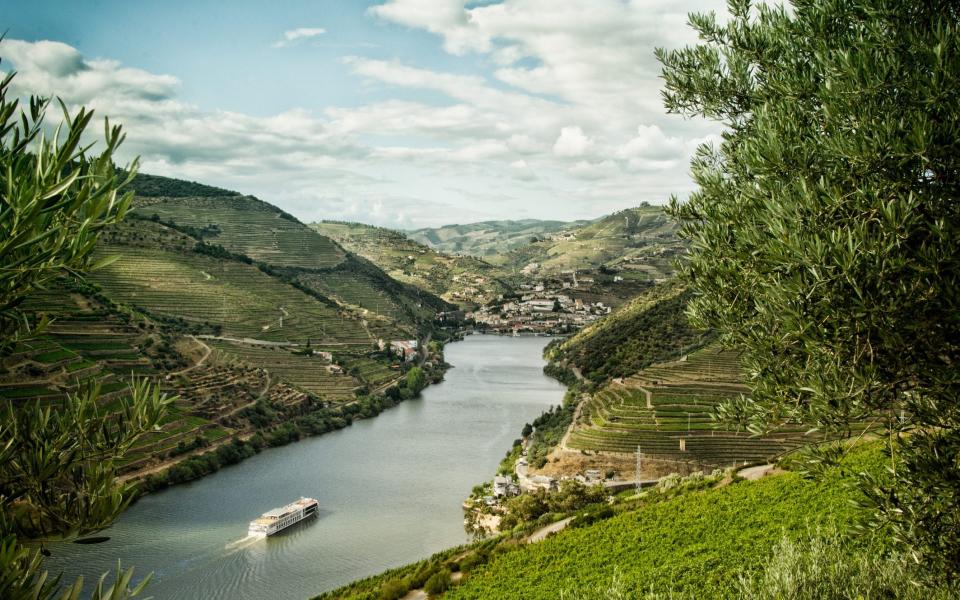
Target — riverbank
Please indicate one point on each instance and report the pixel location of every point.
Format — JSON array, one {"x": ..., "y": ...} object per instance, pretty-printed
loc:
[{"x": 209, "y": 458}]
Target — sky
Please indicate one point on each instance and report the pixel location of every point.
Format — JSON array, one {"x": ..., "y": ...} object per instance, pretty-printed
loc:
[{"x": 400, "y": 113}]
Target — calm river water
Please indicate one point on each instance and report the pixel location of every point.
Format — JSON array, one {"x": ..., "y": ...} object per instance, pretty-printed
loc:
[{"x": 389, "y": 488}]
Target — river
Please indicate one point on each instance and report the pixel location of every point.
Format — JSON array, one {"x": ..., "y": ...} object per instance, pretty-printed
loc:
[{"x": 390, "y": 490}]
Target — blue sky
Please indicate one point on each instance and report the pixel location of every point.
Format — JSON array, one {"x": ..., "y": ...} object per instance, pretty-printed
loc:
[
  {"x": 221, "y": 51},
  {"x": 402, "y": 113}
]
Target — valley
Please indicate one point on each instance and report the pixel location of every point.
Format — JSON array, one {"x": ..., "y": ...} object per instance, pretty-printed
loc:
[
  {"x": 389, "y": 490},
  {"x": 490, "y": 300},
  {"x": 268, "y": 330}
]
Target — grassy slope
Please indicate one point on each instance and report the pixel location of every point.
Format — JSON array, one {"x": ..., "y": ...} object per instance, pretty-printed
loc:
[
  {"x": 695, "y": 544},
  {"x": 412, "y": 262},
  {"x": 486, "y": 238}
]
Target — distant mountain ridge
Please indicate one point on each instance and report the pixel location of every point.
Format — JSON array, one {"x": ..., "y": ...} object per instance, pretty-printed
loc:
[
  {"x": 615, "y": 257},
  {"x": 641, "y": 240},
  {"x": 463, "y": 280},
  {"x": 486, "y": 238}
]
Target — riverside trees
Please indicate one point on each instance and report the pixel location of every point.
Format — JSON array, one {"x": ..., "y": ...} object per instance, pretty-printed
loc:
[
  {"x": 57, "y": 463},
  {"x": 825, "y": 233}
]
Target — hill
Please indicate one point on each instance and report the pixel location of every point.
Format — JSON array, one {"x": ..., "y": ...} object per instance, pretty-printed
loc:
[
  {"x": 465, "y": 280},
  {"x": 487, "y": 238},
  {"x": 265, "y": 329},
  {"x": 695, "y": 545},
  {"x": 652, "y": 327},
  {"x": 244, "y": 225},
  {"x": 665, "y": 410},
  {"x": 639, "y": 243},
  {"x": 248, "y": 227},
  {"x": 144, "y": 185}
]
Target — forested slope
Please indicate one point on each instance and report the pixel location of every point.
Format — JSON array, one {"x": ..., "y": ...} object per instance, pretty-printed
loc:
[{"x": 651, "y": 328}]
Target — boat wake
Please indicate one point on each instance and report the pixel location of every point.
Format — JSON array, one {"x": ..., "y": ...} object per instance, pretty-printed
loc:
[{"x": 237, "y": 544}]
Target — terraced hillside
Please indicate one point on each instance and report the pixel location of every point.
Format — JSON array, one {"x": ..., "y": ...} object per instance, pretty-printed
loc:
[
  {"x": 248, "y": 227},
  {"x": 665, "y": 411},
  {"x": 227, "y": 390},
  {"x": 89, "y": 343},
  {"x": 167, "y": 278},
  {"x": 383, "y": 301},
  {"x": 640, "y": 243},
  {"x": 487, "y": 238},
  {"x": 309, "y": 373},
  {"x": 464, "y": 280}
]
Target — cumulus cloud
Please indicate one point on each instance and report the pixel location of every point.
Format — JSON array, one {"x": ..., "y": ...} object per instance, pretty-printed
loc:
[
  {"x": 48, "y": 68},
  {"x": 572, "y": 142},
  {"x": 300, "y": 33},
  {"x": 576, "y": 79}
]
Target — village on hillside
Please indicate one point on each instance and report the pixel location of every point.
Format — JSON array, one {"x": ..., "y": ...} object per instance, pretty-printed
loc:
[{"x": 543, "y": 305}]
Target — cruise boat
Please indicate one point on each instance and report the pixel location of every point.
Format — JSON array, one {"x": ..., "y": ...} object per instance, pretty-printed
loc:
[{"x": 279, "y": 519}]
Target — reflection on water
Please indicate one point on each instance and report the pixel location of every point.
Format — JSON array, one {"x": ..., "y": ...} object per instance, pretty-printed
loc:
[{"x": 389, "y": 488}]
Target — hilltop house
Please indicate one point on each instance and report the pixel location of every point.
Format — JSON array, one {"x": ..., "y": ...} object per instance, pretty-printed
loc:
[{"x": 405, "y": 349}]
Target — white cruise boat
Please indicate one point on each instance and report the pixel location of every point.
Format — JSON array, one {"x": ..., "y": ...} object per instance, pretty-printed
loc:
[{"x": 279, "y": 519}]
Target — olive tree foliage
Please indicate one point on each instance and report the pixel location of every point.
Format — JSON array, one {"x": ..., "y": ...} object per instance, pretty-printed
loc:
[
  {"x": 55, "y": 201},
  {"x": 57, "y": 463},
  {"x": 825, "y": 231}
]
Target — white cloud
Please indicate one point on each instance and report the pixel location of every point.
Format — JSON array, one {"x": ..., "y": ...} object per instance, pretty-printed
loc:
[
  {"x": 443, "y": 17},
  {"x": 49, "y": 68},
  {"x": 300, "y": 33},
  {"x": 522, "y": 171},
  {"x": 522, "y": 143},
  {"x": 572, "y": 142}
]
